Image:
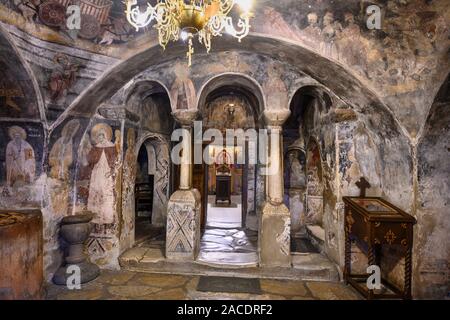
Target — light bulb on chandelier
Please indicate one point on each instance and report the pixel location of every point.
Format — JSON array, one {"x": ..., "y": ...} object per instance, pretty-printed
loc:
[{"x": 185, "y": 19}]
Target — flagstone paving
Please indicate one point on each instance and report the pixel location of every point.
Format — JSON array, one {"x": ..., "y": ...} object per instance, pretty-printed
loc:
[{"x": 127, "y": 285}]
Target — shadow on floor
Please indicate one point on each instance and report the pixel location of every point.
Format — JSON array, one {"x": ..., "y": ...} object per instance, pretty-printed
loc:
[
  {"x": 144, "y": 230},
  {"x": 302, "y": 245}
]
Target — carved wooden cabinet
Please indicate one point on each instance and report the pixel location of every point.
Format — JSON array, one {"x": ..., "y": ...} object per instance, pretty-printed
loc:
[
  {"x": 223, "y": 188},
  {"x": 223, "y": 183},
  {"x": 373, "y": 223}
]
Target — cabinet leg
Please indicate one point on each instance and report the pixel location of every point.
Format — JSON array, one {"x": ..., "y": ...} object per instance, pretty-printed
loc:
[
  {"x": 348, "y": 252},
  {"x": 372, "y": 261},
  {"x": 408, "y": 266}
]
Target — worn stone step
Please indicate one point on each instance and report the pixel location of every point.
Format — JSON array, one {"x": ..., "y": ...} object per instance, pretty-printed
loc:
[{"x": 308, "y": 267}]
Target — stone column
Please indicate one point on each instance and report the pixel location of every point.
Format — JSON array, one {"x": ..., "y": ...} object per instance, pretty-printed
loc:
[
  {"x": 183, "y": 209},
  {"x": 275, "y": 223}
]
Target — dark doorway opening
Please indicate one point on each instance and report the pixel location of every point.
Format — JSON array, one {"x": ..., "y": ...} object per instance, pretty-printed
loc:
[{"x": 143, "y": 193}]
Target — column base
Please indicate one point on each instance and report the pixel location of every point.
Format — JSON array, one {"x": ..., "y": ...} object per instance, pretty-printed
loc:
[
  {"x": 88, "y": 272},
  {"x": 183, "y": 225},
  {"x": 275, "y": 236}
]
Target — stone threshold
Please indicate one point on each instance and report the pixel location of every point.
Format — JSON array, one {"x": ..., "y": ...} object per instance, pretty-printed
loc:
[{"x": 305, "y": 267}]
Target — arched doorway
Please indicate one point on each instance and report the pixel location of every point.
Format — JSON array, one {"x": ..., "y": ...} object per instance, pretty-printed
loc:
[
  {"x": 151, "y": 162},
  {"x": 228, "y": 182},
  {"x": 303, "y": 173},
  {"x": 144, "y": 191},
  {"x": 151, "y": 189}
]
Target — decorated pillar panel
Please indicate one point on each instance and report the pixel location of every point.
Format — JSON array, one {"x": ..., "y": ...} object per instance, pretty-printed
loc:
[
  {"x": 251, "y": 188},
  {"x": 275, "y": 236},
  {"x": 183, "y": 225},
  {"x": 161, "y": 182},
  {"x": 128, "y": 181}
]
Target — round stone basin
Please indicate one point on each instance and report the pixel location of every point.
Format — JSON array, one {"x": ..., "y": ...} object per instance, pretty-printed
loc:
[{"x": 84, "y": 217}]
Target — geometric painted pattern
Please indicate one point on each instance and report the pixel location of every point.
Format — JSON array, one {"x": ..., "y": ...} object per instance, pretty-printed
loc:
[{"x": 182, "y": 232}]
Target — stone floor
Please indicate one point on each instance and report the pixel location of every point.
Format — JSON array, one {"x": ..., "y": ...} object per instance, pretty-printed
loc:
[
  {"x": 224, "y": 216},
  {"x": 127, "y": 285}
]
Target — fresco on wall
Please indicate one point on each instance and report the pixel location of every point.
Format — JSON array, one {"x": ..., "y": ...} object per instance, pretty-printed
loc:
[
  {"x": 295, "y": 187},
  {"x": 61, "y": 154},
  {"x": 21, "y": 148},
  {"x": 128, "y": 182},
  {"x": 182, "y": 90},
  {"x": 20, "y": 160},
  {"x": 228, "y": 112},
  {"x": 275, "y": 89},
  {"x": 295, "y": 176},
  {"x": 155, "y": 113},
  {"x": 102, "y": 21},
  {"x": 399, "y": 59},
  {"x": 17, "y": 97},
  {"x": 101, "y": 185},
  {"x": 99, "y": 155},
  {"x": 315, "y": 188},
  {"x": 62, "y": 77}
]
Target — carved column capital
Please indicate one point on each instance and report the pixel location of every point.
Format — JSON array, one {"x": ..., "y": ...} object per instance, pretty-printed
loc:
[
  {"x": 185, "y": 117},
  {"x": 276, "y": 117}
]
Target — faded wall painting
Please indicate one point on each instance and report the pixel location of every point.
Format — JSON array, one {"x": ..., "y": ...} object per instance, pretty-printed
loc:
[
  {"x": 228, "y": 112},
  {"x": 20, "y": 159},
  {"x": 315, "y": 187},
  {"x": 61, "y": 154},
  {"x": 102, "y": 21},
  {"x": 295, "y": 186},
  {"x": 128, "y": 182},
  {"x": 61, "y": 78},
  {"x": 182, "y": 91},
  {"x": 99, "y": 156},
  {"x": 17, "y": 96},
  {"x": 21, "y": 149}
]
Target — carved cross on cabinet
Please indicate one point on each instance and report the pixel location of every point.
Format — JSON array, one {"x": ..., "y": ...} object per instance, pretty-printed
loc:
[{"x": 362, "y": 184}]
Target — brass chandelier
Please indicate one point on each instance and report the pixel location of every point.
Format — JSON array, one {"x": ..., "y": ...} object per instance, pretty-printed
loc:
[{"x": 183, "y": 19}]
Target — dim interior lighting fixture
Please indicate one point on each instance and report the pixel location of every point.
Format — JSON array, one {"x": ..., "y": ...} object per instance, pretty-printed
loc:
[{"x": 185, "y": 19}]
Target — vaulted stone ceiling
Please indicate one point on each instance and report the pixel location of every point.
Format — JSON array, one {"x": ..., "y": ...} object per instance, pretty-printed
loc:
[{"x": 397, "y": 66}]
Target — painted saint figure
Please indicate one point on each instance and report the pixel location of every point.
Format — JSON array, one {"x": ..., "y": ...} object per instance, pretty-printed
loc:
[
  {"x": 61, "y": 155},
  {"x": 330, "y": 32},
  {"x": 312, "y": 31},
  {"x": 182, "y": 90},
  {"x": 101, "y": 158},
  {"x": 62, "y": 77},
  {"x": 297, "y": 177},
  {"x": 20, "y": 160}
]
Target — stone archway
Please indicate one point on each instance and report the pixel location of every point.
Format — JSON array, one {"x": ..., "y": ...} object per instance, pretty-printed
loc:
[
  {"x": 151, "y": 189},
  {"x": 230, "y": 101},
  {"x": 150, "y": 100},
  {"x": 305, "y": 186}
]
